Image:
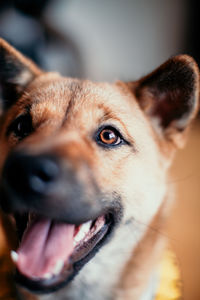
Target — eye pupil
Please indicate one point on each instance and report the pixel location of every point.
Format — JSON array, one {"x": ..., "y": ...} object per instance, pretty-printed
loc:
[
  {"x": 22, "y": 126},
  {"x": 109, "y": 137}
]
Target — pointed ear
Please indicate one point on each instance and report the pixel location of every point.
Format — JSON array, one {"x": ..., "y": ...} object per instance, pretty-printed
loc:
[
  {"x": 170, "y": 96},
  {"x": 16, "y": 72}
]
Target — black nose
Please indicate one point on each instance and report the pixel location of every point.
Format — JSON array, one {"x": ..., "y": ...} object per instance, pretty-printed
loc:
[{"x": 28, "y": 174}]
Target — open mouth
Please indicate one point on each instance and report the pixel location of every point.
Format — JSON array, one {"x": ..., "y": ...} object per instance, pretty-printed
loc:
[{"x": 50, "y": 253}]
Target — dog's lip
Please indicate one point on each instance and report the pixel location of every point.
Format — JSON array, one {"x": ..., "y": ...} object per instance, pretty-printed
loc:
[{"x": 82, "y": 253}]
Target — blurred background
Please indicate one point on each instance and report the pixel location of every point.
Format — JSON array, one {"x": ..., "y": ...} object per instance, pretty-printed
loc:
[{"x": 121, "y": 39}]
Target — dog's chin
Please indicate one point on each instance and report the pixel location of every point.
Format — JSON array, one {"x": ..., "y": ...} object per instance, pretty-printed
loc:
[{"x": 44, "y": 265}]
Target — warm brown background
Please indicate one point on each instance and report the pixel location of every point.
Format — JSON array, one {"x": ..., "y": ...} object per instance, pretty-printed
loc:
[{"x": 184, "y": 224}]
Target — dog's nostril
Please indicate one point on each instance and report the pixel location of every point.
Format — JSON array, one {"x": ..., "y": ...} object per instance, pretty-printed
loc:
[
  {"x": 26, "y": 174},
  {"x": 45, "y": 172},
  {"x": 48, "y": 170}
]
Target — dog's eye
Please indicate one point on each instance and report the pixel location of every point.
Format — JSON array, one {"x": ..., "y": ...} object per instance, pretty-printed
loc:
[
  {"x": 21, "y": 127},
  {"x": 109, "y": 137}
]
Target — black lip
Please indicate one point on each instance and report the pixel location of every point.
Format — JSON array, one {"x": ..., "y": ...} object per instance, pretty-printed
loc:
[{"x": 57, "y": 282}]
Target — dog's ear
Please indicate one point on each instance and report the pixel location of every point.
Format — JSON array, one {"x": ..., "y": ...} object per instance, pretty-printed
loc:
[
  {"x": 170, "y": 96},
  {"x": 16, "y": 72}
]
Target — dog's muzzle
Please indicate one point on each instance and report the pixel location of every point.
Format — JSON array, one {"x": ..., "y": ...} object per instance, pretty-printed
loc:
[
  {"x": 45, "y": 185},
  {"x": 61, "y": 219}
]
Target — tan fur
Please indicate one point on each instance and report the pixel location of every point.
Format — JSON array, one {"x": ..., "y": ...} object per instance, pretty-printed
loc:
[
  {"x": 145, "y": 257},
  {"x": 65, "y": 113}
]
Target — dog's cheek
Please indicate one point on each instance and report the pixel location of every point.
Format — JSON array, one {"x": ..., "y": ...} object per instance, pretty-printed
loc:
[
  {"x": 147, "y": 192},
  {"x": 140, "y": 182}
]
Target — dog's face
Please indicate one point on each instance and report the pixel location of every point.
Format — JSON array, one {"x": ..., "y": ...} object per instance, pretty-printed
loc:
[{"x": 80, "y": 161}]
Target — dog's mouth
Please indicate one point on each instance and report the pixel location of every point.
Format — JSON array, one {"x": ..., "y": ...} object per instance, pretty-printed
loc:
[{"x": 50, "y": 253}]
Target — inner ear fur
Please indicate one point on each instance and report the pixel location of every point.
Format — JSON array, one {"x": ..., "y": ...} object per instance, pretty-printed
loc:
[
  {"x": 16, "y": 72},
  {"x": 170, "y": 96}
]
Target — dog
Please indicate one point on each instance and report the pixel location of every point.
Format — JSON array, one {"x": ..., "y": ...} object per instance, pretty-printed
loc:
[{"x": 84, "y": 171}]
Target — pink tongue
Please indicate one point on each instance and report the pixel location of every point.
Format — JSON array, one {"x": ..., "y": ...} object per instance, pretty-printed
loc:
[{"x": 44, "y": 248}]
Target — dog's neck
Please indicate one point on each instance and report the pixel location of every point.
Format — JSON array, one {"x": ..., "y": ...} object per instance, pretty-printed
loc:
[{"x": 140, "y": 277}]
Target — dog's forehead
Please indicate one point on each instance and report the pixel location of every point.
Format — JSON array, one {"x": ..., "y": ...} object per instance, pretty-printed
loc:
[
  {"x": 83, "y": 106},
  {"x": 66, "y": 96}
]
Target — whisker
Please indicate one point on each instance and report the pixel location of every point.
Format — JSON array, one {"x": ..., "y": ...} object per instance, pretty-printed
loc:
[{"x": 156, "y": 230}]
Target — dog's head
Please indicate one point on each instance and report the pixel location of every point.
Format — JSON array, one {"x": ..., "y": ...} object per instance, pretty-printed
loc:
[{"x": 81, "y": 160}]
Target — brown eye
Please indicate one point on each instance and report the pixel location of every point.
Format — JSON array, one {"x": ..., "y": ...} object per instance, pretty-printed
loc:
[{"x": 109, "y": 137}]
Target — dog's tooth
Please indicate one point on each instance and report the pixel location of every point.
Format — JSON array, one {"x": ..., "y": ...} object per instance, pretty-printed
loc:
[
  {"x": 58, "y": 267},
  {"x": 80, "y": 235},
  {"x": 47, "y": 276},
  {"x": 14, "y": 256},
  {"x": 84, "y": 228}
]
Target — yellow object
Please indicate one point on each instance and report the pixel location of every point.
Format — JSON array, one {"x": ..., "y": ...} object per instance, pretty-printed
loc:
[{"x": 170, "y": 287}]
